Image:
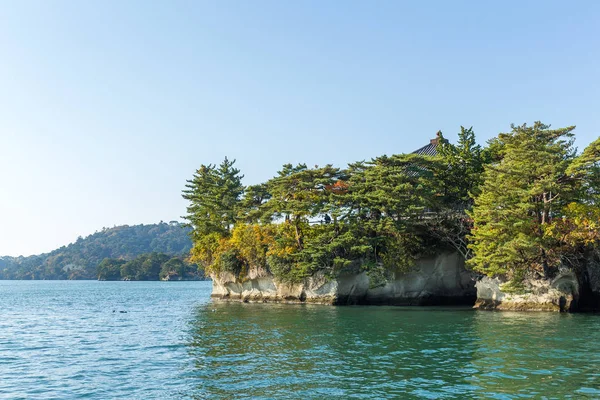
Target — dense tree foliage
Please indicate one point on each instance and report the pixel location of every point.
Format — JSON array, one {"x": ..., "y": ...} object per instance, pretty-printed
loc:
[
  {"x": 526, "y": 202},
  {"x": 374, "y": 215},
  {"x": 538, "y": 207},
  {"x": 148, "y": 267},
  {"x": 213, "y": 194},
  {"x": 79, "y": 260}
]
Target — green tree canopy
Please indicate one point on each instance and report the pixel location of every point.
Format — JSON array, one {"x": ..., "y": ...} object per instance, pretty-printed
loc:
[
  {"x": 521, "y": 195},
  {"x": 523, "y": 204},
  {"x": 214, "y": 195}
]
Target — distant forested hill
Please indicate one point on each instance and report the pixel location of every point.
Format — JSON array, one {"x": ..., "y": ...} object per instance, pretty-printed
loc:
[{"x": 80, "y": 260}]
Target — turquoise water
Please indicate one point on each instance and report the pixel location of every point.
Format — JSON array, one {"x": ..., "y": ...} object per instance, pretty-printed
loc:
[{"x": 62, "y": 340}]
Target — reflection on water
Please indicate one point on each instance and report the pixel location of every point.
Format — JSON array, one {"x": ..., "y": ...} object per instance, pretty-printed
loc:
[
  {"x": 541, "y": 355},
  {"x": 62, "y": 340},
  {"x": 288, "y": 351}
]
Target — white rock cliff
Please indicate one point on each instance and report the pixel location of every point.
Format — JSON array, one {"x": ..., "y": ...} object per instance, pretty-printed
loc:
[
  {"x": 434, "y": 281},
  {"x": 558, "y": 294}
]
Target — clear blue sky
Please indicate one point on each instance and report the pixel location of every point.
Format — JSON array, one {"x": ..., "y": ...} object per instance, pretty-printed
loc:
[{"x": 107, "y": 107}]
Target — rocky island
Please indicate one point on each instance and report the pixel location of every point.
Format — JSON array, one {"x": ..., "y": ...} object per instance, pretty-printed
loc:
[
  {"x": 434, "y": 281},
  {"x": 510, "y": 226}
]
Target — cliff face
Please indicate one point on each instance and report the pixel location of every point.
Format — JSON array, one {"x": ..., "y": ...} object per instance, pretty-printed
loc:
[
  {"x": 434, "y": 281},
  {"x": 570, "y": 290},
  {"x": 442, "y": 280},
  {"x": 558, "y": 294}
]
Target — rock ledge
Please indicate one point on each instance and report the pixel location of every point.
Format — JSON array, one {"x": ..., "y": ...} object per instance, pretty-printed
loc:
[
  {"x": 558, "y": 294},
  {"x": 442, "y": 280}
]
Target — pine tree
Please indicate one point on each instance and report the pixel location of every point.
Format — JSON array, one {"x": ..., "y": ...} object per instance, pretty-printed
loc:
[
  {"x": 201, "y": 193},
  {"x": 229, "y": 193},
  {"x": 521, "y": 195},
  {"x": 214, "y": 195},
  {"x": 250, "y": 208},
  {"x": 464, "y": 163},
  {"x": 460, "y": 177},
  {"x": 299, "y": 195},
  {"x": 388, "y": 200},
  {"x": 579, "y": 230}
]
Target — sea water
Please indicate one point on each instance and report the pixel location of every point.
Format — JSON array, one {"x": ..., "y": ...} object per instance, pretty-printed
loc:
[{"x": 168, "y": 340}]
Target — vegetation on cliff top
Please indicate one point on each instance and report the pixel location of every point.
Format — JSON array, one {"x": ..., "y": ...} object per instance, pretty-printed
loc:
[
  {"x": 385, "y": 212},
  {"x": 526, "y": 203},
  {"x": 80, "y": 259},
  {"x": 539, "y": 205}
]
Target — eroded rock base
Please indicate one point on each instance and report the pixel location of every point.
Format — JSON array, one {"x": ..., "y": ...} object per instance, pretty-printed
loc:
[
  {"x": 558, "y": 295},
  {"x": 442, "y": 280}
]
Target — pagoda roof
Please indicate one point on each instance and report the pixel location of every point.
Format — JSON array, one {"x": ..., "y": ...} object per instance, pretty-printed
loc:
[
  {"x": 428, "y": 150},
  {"x": 431, "y": 148}
]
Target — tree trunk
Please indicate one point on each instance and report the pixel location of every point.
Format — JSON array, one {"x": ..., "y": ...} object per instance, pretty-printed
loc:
[
  {"x": 299, "y": 240},
  {"x": 545, "y": 265}
]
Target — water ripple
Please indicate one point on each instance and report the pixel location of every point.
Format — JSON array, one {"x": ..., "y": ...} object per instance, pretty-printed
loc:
[{"x": 62, "y": 340}]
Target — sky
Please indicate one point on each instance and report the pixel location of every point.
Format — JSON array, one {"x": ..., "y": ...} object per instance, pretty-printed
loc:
[{"x": 107, "y": 107}]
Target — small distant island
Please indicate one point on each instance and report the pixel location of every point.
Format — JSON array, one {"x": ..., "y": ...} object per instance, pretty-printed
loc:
[
  {"x": 512, "y": 225},
  {"x": 137, "y": 252}
]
